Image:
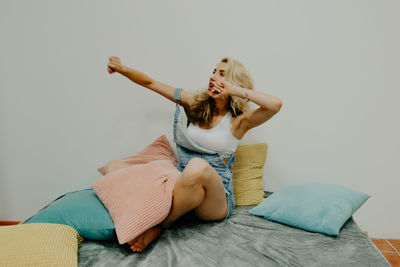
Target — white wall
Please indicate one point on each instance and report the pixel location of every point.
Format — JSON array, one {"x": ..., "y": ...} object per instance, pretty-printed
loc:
[{"x": 335, "y": 65}]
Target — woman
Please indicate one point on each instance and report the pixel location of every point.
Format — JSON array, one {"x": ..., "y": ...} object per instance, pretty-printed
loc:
[{"x": 218, "y": 118}]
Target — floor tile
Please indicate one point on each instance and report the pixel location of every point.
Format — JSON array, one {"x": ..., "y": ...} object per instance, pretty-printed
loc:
[
  {"x": 393, "y": 258},
  {"x": 395, "y": 244},
  {"x": 382, "y": 245}
]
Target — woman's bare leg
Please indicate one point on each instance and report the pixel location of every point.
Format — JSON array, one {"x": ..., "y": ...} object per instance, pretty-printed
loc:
[{"x": 199, "y": 188}]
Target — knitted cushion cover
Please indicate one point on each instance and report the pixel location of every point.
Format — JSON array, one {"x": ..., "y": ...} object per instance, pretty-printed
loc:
[
  {"x": 159, "y": 149},
  {"x": 38, "y": 244},
  {"x": 247, "y": 172},
  {"x": 137, "y": 197}
]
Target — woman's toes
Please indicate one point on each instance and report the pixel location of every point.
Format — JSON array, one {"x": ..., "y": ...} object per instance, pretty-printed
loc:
[
  {"x": 141, "y": 242},
  {"x": 136, "y": 249}
]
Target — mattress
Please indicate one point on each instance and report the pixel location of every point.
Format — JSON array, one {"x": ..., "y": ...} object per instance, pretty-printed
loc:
[{"x": 241, "y": 240}]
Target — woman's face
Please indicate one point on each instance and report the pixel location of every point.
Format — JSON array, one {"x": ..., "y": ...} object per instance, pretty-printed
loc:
[{"x": 218, "y": 75}]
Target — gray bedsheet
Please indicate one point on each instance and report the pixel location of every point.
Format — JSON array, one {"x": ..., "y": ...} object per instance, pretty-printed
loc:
[{"x": 241, "y": 240}]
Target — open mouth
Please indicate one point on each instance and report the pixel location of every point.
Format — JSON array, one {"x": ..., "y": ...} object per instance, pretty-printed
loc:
[{"x": 212, "y": 90}]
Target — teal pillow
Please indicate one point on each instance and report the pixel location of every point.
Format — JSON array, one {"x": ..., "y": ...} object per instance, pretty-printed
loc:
[
  {"x": 81, "y": 210},
  {"x": 316, "y": 207}
]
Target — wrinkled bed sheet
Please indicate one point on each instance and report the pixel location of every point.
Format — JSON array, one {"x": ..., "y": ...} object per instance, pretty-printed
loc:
[{"x": 241, "y": 240}]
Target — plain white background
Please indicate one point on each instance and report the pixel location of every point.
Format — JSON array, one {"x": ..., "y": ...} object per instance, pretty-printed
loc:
[{"x": 335, "y": 65}]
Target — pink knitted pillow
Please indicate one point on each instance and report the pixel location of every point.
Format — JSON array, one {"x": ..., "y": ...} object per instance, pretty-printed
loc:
[
  {"x": 137, "y": 197},
  {"x": 159, "y": 149}
]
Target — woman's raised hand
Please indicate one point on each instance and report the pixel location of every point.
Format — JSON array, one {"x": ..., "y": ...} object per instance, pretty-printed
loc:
[
  {"x": 115, "y": 65},
  {"x": 223, "y": 86}
]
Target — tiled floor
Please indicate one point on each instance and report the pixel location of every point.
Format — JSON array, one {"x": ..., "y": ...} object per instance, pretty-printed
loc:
[{"x": 390, "y": 249}]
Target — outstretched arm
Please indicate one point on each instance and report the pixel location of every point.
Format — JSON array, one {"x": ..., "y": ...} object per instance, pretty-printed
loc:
[{"x": 144, "y": 80}]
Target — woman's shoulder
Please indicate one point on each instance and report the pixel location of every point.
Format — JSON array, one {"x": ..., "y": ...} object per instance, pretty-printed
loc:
[{"x": 187, "y": 99}]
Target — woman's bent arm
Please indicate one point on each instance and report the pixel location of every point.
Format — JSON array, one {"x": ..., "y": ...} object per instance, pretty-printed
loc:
[
  {"x": 146, "y": 81},
  {"x": 269, "y": 106}
]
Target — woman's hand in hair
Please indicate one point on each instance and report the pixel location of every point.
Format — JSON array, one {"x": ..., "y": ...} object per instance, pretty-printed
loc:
[{"x": 114, "y": 65}]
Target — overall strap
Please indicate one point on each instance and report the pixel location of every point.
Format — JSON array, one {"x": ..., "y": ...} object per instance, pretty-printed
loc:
[
  {"x": 177, "y": 98},
  {"x": 177, "y": 95}
]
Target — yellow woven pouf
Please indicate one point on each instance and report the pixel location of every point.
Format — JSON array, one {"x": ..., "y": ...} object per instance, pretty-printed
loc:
[
  {"x": 38, "y": 244},
  {"x": 247, "y": 171}
]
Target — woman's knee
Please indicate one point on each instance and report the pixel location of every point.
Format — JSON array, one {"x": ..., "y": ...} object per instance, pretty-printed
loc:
[{"x": 197, "y": 171}]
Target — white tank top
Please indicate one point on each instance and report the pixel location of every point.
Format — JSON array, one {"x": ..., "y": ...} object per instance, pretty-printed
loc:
[{"x": 219, "y": 138}]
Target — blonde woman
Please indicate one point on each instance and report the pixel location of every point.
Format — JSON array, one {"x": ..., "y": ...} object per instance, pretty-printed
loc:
[{"x": 218, "y": 117}]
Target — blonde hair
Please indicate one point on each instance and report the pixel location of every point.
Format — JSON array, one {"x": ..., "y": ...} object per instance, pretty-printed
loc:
[{"x": 201, "y": 111}]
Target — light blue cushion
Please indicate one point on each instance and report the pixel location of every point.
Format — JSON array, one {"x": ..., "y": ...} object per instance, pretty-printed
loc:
[
  {"x": 316, "y": 207},
  {"x": 81, "y": 210}
]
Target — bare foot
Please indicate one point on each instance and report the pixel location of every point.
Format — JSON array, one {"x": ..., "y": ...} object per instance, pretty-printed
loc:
[{"x": 141, "y": 242}]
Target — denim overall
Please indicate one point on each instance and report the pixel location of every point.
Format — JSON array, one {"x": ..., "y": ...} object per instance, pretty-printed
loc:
[{"x": 188, "y": 149}]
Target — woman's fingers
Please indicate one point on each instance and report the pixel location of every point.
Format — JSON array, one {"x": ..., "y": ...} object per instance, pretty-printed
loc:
[
  {"x": 219, "y": 89},
  {"x": 113, "y": 64},
  {"x": 114, "y": 67},
  {"x": 115, "y": 59}
]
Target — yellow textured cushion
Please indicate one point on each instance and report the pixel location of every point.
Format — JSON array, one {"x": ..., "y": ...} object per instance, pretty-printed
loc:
[
  {"x": 38, "y": 244},
  {"x": 247, "y": 171}
]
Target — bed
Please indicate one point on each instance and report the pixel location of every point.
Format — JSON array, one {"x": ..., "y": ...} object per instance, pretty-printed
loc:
[
  {"x": 241, "y": 240},
  {"x": 53, "y": 235}
]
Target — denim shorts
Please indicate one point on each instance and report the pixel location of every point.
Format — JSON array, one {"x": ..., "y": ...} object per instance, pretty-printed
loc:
[{"x": 215, "y": 160}]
